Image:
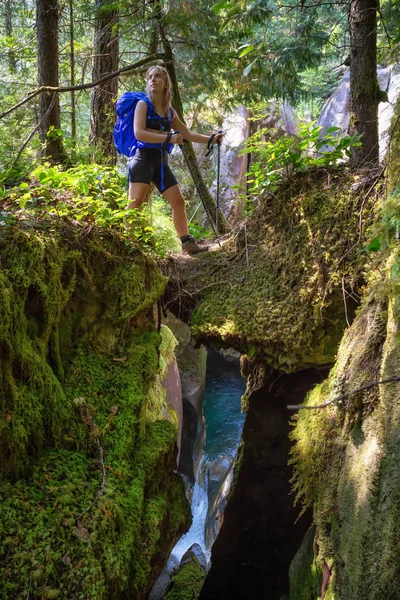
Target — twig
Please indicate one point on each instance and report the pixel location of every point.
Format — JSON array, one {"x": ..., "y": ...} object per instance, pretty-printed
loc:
[
  {"x": 88, "y": 420},
  {"x": 83, "y": 86},
  {"x": 195, "y": 292},
  {"x": 32, "y": 133},
  {"x": 368, "y": 386},
  {"x": 345, "y": 303}
]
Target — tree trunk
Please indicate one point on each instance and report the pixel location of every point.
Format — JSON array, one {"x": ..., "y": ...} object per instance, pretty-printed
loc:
[
  {"x": 72, "y": 70},
  {"x": 49, "y": 106},
  {"x": 189, "y": 152},
  {"x": 364, "y": 89},
  {"x": 102, "y": 110},
  {"x": 190, "y": 155},
  {"x": 12, "y": 63}
]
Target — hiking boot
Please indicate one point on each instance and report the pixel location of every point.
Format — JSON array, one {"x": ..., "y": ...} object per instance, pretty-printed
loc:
[{"x": 190, "y": 246}]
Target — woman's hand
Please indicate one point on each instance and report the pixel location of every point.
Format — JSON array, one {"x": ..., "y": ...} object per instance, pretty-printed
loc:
[
  {"x": 218, "y": 138},
  {"x": 176, "y": 138}
]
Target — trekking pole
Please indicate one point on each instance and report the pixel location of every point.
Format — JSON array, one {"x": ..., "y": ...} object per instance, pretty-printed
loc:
[
  {"x": 198, "y": 191},
  {"x": 218, "y": 177}
]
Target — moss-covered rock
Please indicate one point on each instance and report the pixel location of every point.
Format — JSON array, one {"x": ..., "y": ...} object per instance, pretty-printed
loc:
[
  {"x": 187, "y": 584},
  {"x": 275, "y": 290},
  {"x": 90, "y": 504},
  {"x": 347, "y": 455},
  {"x": 305, "y": 574}
]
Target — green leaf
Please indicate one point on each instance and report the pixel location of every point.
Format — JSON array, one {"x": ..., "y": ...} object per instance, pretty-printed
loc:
[
  {"x": 219, "y": 6},
  {"x": 332, "y": 129},
  {"x": 246, "y": 50},
  {"x": 83, "y": 187},
  {"x": 375, "y": 245},
  {"x": 233, "y": 12}
]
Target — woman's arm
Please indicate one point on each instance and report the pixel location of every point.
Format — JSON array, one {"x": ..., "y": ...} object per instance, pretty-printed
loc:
[
  {"x": 192, "y": 136},
  {"x": 151, "y": 136}
]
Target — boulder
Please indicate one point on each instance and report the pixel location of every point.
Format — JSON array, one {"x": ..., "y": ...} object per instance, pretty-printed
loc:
[
  {"x": 336, "y": 110},
  {"x": 233, "y": 165},
  {"x": 219, "y": 485},
  {"x": 194, "y": 550},
  {"x": 161, "y": 585}
]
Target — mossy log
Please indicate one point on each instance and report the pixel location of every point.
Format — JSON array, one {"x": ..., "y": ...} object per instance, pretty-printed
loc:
[{"x": 285, "y": 284}]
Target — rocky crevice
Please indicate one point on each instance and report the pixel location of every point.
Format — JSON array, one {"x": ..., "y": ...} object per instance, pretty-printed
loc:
[{"x": 260, "y": 533}]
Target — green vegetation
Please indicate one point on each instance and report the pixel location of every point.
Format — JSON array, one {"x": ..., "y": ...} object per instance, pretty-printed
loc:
[
  {"x": 90, "y": 195},
  {"x": 345, "y": 456},
  {"x": 305, "y": 575},
  {"x": 278, "y": 160}
]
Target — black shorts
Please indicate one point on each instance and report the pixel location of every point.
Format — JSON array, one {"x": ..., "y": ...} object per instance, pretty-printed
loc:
[{"x": 146, "y": 167}]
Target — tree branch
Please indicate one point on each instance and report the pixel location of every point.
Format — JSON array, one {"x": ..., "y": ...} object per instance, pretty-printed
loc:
[
  {"x": 368, "y": 386},
  {"x": 83, "y": 86}
]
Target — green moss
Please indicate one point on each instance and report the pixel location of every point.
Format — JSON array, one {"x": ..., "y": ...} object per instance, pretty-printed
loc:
[
  {"x": 275, "y": 289},
  {"x": 305, "y": 574},
  {"x": 90, "y": 502},
  {"x": 349, "y": 471},
  {"x": 187, "y": 584}
]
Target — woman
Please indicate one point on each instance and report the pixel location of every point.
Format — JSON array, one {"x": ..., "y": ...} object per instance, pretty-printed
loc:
[{"x": 150, "y": 164}]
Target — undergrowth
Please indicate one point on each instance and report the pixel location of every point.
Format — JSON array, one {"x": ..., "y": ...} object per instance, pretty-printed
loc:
[{"x": 90, "y": 196}]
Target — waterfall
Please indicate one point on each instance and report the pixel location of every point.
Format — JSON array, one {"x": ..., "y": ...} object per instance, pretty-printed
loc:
[{"x": 199, "y": 507}]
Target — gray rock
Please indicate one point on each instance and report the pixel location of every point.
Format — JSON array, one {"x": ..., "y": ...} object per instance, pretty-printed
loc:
[
  {"x": 194, "y": 550},
  {"x": 219, "y": 484},
  {"x": 192, "y": 368},
  {"x": 233, "y": 166},
  {"x": 336, "y": 110},
  {"x": 160, "y": 587}
]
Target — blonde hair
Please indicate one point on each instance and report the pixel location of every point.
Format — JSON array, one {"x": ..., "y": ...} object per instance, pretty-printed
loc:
[{"x": 166, "y": 103}]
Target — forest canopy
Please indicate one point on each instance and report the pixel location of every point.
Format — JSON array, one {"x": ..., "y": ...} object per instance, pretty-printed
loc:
[{"x": 224, "y": 53}]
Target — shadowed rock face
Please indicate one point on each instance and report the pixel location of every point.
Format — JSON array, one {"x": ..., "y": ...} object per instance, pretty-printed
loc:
[
  {"x": 192, "y": 370},
  {"x": 260, "y": 536}
]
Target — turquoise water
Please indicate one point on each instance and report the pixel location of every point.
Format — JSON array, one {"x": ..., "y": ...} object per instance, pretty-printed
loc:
[
  {"x": 224, "y": 387},
  {"x": 221, "y": 404}
]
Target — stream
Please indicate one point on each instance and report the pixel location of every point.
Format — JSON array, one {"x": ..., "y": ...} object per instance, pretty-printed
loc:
[{"x": 224, "y": 387}]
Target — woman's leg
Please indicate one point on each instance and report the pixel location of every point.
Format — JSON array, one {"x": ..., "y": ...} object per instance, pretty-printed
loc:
[
  {"x": 173, "y": 196},
  {"x": 137, "y": 193}
]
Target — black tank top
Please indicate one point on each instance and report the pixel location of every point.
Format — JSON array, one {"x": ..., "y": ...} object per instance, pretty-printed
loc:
[{"x": 158, "y": 123}]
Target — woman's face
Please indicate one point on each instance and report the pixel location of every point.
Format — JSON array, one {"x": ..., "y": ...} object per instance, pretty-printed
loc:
[{"x": 155, "y": 81}]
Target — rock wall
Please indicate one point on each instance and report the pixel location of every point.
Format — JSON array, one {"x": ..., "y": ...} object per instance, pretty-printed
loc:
[
  {"x": 191, "y": 363},
  {"x": 91, "y": 504},
  {"x": 346, "y": 455},
  {"x": 260, "y": 532}
]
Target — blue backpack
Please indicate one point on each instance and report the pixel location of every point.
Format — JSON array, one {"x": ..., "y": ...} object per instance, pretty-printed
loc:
[{"x": 124, "y": 136}]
